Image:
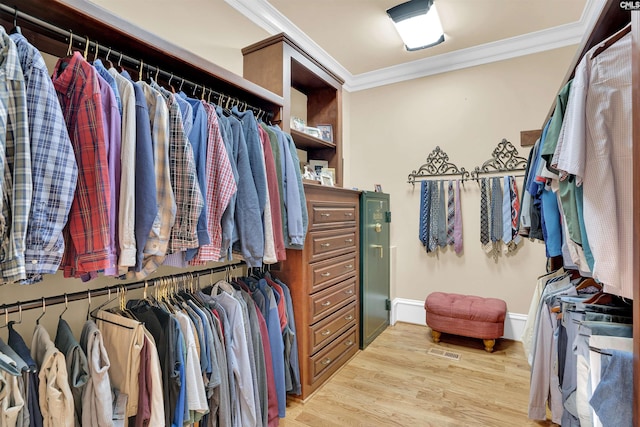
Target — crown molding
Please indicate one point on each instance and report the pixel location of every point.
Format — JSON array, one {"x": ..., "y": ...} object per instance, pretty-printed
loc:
[{"x": 263, "y": 14}]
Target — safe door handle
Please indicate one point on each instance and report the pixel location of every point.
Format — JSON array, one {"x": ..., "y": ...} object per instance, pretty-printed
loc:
[{"x": 381, "y": 249}]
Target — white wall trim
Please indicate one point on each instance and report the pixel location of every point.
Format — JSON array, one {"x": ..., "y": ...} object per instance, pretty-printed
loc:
[
  {"x": 412, "y": 311},
  {"x": 267, "y": 17}
]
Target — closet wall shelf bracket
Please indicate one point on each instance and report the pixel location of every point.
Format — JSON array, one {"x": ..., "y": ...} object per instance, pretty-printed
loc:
[
  {"x": 504, "y": 159},
  {"x": 437, "y": 165}
]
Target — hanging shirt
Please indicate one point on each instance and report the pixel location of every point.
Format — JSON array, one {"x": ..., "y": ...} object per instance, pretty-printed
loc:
[
  {"x": 56, "y": 401},
  {"x": 220, "y": 185},
  {"x": 145, "y": 179},
  {"x": 88, "y": 243},
  {"x": 113, "y": 135},
  {"x": 96, "y": 399},
  {"x": 128, "y": 160},
  {"x": 184, "y": 181},
  {"x": 274, "y": 195},
  {"x": 249, "y": 236},
  {"x": 53, "y": 167},
  {"x": 198, "y": 139},
  {"x": 228, "y": 217},
  {"x": 598, "y": 151},
  {"x": 15, "y": 163},
  {"x": 157, "y": 243}
]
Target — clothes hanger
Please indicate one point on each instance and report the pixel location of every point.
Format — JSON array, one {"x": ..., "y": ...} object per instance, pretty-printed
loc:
[
  {"x": 66, "y": 306},
  {"x": 86, "y": 48},
  {"x": 109, "y": 63},
  {"x": 589, "y": 281},
  {"x": 44, "y": 310},
  {"x": 604, "y": 45},
  {"x": 16, "y": 28},
  {"x": 6, "y": 316},
  {"x": 94, "y": 312}
]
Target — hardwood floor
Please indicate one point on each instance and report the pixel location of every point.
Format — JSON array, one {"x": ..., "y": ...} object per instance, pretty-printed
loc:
[{"x": 395, "y": 382}]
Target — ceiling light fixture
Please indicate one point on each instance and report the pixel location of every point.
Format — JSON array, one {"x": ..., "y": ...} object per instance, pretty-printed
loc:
[{"x": 418, "y": 24}]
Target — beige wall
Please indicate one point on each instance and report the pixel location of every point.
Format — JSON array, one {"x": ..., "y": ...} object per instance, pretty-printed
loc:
[{"x": 392, "y": 129}]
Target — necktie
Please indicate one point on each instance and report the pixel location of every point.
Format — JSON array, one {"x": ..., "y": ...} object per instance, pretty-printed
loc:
[
  {"x": 496, "y": 210},
  {"x": 484, "y": 212},
  {"x": 433, "y": 217},
  {"x": 442, "y": 217},
  {"x": 506, "y": 210},
  {"x": 450, "y": 215},
  {"x": 515, "y": 211},
  {"x": 425, "y": 201},
  {"x": 457, "y": 229}
]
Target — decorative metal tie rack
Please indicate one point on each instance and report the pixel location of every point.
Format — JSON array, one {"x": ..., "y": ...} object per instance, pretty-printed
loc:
[
  {"x": 504, "y": 159},
  {"x": 437, "y": 165}
]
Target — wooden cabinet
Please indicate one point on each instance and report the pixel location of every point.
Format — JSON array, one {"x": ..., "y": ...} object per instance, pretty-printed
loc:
[
  {"x": 281, "y": 66},
  {"x": 324, "y": 283}
]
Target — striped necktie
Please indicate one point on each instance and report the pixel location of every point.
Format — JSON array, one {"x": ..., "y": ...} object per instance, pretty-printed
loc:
[
  {"x": 425, "y": 202},
  {"x": 496, "y": 210},
  {"x": 442, "y": 217},
  {"x": 433, "y": 217},
  {"x": 450, "y": 215},
  {"x": 457, "y": 230}
]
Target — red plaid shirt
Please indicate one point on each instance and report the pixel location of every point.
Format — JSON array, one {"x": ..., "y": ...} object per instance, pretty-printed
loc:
[
  {"x": 221, "y": 186},
  {"x": 87, "y": 231}
]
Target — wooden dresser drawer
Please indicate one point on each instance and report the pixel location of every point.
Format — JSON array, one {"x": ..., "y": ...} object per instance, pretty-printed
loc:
[
  {"x": 326, "y": 244},
  {"x": 328, "y": 329},
  {"x": 332, "y": 214},
  {"x": 329, "y": 300},
  {"x": 329, "y": 359},
  {"x": 326, "y": 273}
]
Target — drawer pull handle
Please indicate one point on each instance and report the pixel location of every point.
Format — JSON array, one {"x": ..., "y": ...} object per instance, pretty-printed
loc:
[
  {"x": 348, "y": 266},
  {"x": 327, "y": 274},
  {"x": 349, "y": 292},
  {"x": 348, "y": 317},
  {"x": 325, "y": 333},
  {"x": 326, "y": 215},
  {"x": 348, "y": 343},
  {"x": 325, "y": 245},
  {"x": 326, "y": 303},
  {"x": 348, "y": 240},
  {"x": 349, "y": 214},
  {"x": 326, "y": 361}
]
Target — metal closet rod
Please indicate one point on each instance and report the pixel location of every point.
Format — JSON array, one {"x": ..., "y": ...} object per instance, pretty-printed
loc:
[
  {"x": 82, "y": 295},
  {"x": 136, "y": 63}
]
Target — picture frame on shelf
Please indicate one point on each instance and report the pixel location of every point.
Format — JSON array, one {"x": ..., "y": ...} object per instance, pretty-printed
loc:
[
  {"x": 326, "y": 132},
  {"x": 331, "y": 172},
  {"x": 378, "y": 188},
  {"x": 326, "y": 179},
  {"x": 318, "y": 165}
]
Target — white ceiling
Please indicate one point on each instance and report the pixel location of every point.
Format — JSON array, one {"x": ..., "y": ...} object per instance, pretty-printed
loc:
[{"x": 356, "y": 39}]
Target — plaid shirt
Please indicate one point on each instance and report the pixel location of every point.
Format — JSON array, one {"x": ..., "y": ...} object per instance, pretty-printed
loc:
[
  {"x": 221, "y": 187},
  {"x": 15, "y": 161},
  {"x": 87, "y": 231},
  {"x": 53, "y": 167},
  {"x": 184, "y": 181},
  {"x": 155, "y": 249}
]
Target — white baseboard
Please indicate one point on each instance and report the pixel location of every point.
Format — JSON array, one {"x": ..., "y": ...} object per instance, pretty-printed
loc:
[{"x": 412, "y": 311}]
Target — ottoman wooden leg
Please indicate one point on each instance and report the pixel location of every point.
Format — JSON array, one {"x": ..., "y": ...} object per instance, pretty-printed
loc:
[
  {"x": 488, "y": 345},
  {"x": 436, "y": 336}
]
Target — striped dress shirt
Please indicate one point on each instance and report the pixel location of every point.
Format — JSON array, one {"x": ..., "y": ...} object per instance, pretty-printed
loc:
[
  {"x": 15, "y": 159},
  {"x": 53, "y": 167},
  {"x": 87, "y": 231}
]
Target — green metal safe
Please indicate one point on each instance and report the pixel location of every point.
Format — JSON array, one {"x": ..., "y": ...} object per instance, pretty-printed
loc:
[{"x": 375, "y": 218}]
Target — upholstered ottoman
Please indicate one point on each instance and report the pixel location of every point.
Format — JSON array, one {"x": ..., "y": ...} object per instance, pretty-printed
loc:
[{"x": 466, "y": 315}]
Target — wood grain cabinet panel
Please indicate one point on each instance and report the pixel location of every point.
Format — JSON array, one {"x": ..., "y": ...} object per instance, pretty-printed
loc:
[{"x": 324, "y": 279}]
